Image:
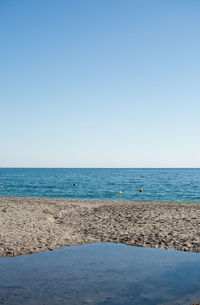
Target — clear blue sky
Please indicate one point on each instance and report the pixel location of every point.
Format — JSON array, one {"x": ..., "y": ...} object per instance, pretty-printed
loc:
[{"x": 100, "y": 83}]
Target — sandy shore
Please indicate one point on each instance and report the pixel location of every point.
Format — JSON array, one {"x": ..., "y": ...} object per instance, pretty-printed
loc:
[{"x": 34, "y": 225}]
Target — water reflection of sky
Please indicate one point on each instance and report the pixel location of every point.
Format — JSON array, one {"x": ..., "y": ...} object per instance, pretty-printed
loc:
[{"x": 101, "y": 274}]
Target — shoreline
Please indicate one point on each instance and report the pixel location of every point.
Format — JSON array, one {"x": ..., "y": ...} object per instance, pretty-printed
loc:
[
  {"x": 30, "y": 225},
  {"x": 120, "y": 200}
]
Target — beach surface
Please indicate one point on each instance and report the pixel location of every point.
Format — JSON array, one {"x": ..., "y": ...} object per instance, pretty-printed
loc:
[{"x": 30, "y": 225}]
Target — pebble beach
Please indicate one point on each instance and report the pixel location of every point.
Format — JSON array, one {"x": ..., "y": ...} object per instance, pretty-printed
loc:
[{"x": 30, "y": 225}]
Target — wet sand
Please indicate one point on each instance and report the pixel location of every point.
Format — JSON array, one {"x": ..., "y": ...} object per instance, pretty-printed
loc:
[{"x": 29, "y": 225}]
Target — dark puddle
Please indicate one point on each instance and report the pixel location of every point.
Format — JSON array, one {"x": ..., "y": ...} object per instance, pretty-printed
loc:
[{"x": 101, "y": 274}]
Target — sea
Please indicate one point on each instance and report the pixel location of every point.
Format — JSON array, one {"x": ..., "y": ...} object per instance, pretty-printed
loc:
[{"x": 158, "y": 184}]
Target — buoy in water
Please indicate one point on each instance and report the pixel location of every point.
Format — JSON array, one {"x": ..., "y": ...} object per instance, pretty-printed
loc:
[
  {"x": 119, "y": 192},
  {"x": 141, "y": 190},
  {"x": 74, "y": 184},
  {"x": 1, "y": 186}
]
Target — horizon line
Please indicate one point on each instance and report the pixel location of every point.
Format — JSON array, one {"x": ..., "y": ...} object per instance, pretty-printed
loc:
[{"x": 30, "y": 167}]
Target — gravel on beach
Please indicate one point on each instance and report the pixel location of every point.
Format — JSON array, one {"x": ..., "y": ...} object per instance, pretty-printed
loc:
[{"x": 30, "y": 225}]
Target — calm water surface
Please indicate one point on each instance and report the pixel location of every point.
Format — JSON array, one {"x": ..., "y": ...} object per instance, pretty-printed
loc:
[
  {"x": 101, "y": 274},
  {"x": 158, "y": 184}
]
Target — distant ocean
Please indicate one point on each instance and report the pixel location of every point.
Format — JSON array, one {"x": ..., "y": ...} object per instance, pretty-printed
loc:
[{"x": 157, "y": 184}]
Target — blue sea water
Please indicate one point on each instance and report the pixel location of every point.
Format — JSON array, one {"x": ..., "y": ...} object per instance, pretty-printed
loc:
[{"x": 83, "y": 183}]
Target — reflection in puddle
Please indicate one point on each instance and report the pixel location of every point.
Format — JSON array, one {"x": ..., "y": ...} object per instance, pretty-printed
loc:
[{"x": 101, "y": 274}]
